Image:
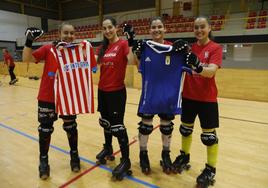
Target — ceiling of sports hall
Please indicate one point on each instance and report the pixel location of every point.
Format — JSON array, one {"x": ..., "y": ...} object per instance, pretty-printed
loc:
[{"x": 72, "y": 9}]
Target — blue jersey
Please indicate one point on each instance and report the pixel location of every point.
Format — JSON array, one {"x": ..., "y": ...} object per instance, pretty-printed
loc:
[{"x": 162, "y": 79}]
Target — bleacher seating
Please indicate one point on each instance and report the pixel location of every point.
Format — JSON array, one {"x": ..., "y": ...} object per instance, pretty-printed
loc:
[
  {"x": 257, "y": 19},
  {"x": 173, "y": 24}
]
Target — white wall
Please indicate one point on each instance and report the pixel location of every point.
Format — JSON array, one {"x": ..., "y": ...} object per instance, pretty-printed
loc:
[
  {"x": 13, "y": 25},
  {"x": 53, "y": 24}
]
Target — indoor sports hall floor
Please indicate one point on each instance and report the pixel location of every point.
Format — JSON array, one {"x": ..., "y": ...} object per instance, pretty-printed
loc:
[{"x": 243, "y": 144}]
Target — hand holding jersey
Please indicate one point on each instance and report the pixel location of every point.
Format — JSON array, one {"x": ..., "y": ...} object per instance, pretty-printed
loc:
[
  {"x": 128, "y": 30},
  {"x": 193, "y": 61},
  {"x": 59, "y": 43},
  {"x": 180, "y": 46},
  {"x": 32, "y": 34},
  {"x": 138, "y": 47}
]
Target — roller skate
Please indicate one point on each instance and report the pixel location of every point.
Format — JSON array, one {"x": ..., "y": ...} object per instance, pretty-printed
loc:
[
  {"x": 123, "y": 169},
  {"x": 206, "y": 178},
  {"x": 181, "y": 163},
  {"x": 44, "y": 169},
  {"x": 166, "y": 162},
  {"x": 75, "y": 161},
  {"x": 144, "y": 162},
  {"x": 105, "y": 154}
]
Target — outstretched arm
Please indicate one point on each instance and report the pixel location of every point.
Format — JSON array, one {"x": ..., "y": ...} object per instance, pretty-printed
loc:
[{"x": 31, "y": 35}]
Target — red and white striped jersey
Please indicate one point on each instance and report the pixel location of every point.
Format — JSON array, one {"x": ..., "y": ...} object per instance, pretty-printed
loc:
[{"x": 73, "y": 82}]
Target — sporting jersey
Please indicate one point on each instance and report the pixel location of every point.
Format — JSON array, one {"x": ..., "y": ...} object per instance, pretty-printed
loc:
[
  {"x": 162, "y": 79},
  {"x": 113, "y": 66},
  {"x": 197, "y": 87},
  {"x": 7, "y": 57},
  {"x": 46, "y": 89},
  {"x": 73, "y": 83}
]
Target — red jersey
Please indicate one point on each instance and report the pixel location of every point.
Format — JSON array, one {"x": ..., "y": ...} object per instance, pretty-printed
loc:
[
  {"x": 113, "y": 66},
  {"x": 7, "y": 57},
  {"x": 197, "y": 87},
  {"x": 167, "y": 42},
  {"x": 73, "y": 85},
  {"x": 46, "y": 89}
]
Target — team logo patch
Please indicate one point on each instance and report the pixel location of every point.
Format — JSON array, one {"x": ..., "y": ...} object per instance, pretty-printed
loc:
[
  {"x": 206, "y": 54},
  {"x": 147, "y": 59}
]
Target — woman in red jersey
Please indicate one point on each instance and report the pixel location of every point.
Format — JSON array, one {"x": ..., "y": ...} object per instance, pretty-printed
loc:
[
  {"x": 9, "y": 61},
  {"x": 46, "y": 104},
  {"x": 113, "y": 56},
  {"x": 200, "y": 99}
]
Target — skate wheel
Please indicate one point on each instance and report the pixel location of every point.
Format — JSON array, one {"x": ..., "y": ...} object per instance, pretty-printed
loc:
[
  {"x": 117, "y": 178},
  {"x": 101, "y": 162},
  {"x": 212, "y": 182},
  {"x": 44, "y": 176},
  {"x": 167, "y": 171},
  {"x": 187, "y": 167},
  {"x": 146, "y": 171},
  {"x": 110, "y": 158},
  {"x": 129, "y": 172}
]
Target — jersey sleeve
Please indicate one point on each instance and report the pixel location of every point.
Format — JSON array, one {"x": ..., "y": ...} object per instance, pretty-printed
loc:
[
  {"x": 98, "y": 50},
  {"x": 125, "y": 48},
  {"x": 93, "y": 62},
  {"x": 41, "y": 53},
  {"x": 53, "y": 64},
  {"x": 216, "y": 56}
]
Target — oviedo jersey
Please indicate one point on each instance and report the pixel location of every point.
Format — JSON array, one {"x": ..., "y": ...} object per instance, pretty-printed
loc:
[
  {"x": 200, "y": 88},
  {"x": 73, "y": 83},
  {"x": 162, "y": 79}
]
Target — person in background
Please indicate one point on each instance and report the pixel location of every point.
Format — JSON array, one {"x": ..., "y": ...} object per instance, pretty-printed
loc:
[{"x": 9, "y": 61}]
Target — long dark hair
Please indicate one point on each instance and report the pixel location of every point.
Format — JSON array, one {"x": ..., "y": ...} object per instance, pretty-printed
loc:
[
  {"x": 105, "y": 41},
  {"x": 210, "y": 35}
]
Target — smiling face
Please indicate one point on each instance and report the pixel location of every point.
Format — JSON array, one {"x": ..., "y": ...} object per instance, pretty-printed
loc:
[
  {"x": 157, "y": 30},
  {"x": 67, "y": 33},
  {"x": 109, "y": 30},
  {"x": 201, "y": 30}
]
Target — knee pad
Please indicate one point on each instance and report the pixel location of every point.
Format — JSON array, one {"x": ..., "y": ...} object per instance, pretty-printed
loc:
[
  {"x": 166, "y": 117},
  {"x": 209, "y": 138},
  {"x": 166, "y": 129},
  {"x": 146, "y": 116},
  {"x": 186, "y": 130},
  {"x": 46, "y": 129},
  {"x": 104, "y": 123},
  {"x": 70, "y": 127},
  {"x": 118, "y": 130},
  {"x": 145, "y": 129}
]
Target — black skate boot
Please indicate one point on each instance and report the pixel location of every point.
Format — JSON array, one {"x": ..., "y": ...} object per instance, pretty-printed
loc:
[
  {"x": 206, "y": 178},
  {"x": 122, "y": 169},
  {"x": 75, "y": 161},
  {"x": 144, "y": 162},
  {"x": 166, "y": 162},
  {"x": 105, "y": 154},
  {"x": 181, "y": 163},
  {"x": 44, "y": 169}
]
